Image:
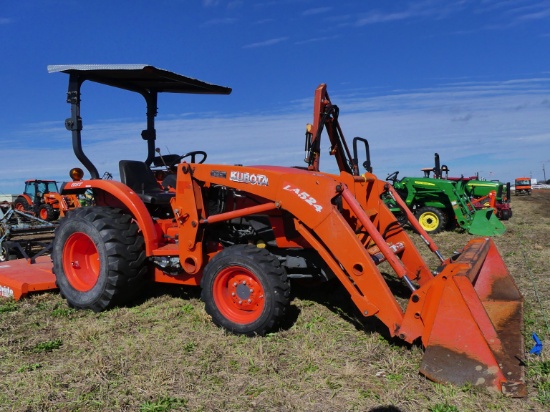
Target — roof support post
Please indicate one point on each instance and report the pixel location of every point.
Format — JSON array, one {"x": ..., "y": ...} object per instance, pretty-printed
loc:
[{"x": 74, "y": 123}]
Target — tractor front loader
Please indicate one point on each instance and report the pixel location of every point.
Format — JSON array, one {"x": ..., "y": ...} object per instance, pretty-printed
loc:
[
  {"x": 242, "y": 233},
  {"x": 497, "y": 293}
]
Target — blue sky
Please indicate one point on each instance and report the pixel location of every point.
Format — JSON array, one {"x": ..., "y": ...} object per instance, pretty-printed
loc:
[{"x": 467, "y": 79}]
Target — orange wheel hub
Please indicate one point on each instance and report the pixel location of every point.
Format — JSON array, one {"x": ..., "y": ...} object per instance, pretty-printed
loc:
[
  {"x": 239, "y": 295},
  {"x": 81, "y": 262}
]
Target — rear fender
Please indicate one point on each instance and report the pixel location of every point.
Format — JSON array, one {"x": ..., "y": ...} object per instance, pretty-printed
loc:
[
  {"x": 116, "y": 194},
  {"x": 27, "y": 198}
]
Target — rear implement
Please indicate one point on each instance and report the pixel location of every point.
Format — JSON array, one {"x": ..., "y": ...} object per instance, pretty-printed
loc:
[{"x": 20, "y": 277}]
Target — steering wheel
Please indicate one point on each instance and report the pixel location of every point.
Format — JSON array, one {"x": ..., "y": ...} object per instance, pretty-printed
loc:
[
  {"x": 193, "y": 155},
  {"x": 392, "y": 176}
]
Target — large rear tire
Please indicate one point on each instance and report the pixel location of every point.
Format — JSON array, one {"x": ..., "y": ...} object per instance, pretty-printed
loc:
[
  {"x": 432, "y": 219},
  {"x": 98, "y": 258},
  {"x": 21, "y": 204},
  {"x": 245, "y": 290}
]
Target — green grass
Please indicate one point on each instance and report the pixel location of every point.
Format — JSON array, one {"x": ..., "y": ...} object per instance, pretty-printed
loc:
[
  {"x": 164, "y": 354},
  {"x": 443, "y": 407},
  {"x": 163, "y": 404},
  {"x": 7, "y": 305},
  {"x": 47, "y": 346}
]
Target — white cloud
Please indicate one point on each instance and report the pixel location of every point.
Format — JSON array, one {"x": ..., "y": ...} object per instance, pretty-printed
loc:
[
  {"x": 265, "y": 43},
  {"x": 317, "y": 39},
  {"x": 505, "y": 12},
  {"x": 499, "y": 129},
  {"x": 373, "y": 18}
]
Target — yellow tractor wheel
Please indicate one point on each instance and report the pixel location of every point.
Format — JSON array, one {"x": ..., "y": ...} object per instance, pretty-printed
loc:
[{"x": 431, "y": 219}]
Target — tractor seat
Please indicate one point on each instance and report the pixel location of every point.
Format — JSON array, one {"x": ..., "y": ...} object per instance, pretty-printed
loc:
[{"x": 139, "y": 177}]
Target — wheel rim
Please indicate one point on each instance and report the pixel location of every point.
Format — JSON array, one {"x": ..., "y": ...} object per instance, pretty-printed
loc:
[
  {"x": 238, "y": 295},
  {"x": 81, "y": 262},
  {"x": 429, "y": 221},
  {"x": 20, "y": 207},
  {"x": 43, "y": 214}
]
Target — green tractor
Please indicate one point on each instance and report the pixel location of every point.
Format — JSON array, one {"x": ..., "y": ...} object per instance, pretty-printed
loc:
[
  {"x": 440, "y": 204},
  {"x": 482, "y": 193},
  {"x": 490, "y": 193}
]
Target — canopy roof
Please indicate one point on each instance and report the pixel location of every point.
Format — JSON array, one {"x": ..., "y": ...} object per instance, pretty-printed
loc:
[{"x": 139, "y": 77}]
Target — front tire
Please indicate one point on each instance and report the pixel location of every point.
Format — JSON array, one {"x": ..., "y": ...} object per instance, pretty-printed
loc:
[
  {"x": 98, "y": 258},
  {"x": 46, "y": 212},
  {"x": 245, "y": 290},
  {"x": 432, "y": 219}
]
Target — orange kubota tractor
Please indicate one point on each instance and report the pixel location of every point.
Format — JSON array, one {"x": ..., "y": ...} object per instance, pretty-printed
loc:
[
  {"x": 242, "y": 232},
  {"x": 42, "y": 198}
]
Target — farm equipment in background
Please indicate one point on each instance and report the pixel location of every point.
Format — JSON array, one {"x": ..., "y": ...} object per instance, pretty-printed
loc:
[
  {"x": 42, "y": 199},
  {"x": 23, "y": 235},
  {"x": 482, "y": 193},
  {"x": 242, "y": 233},
  {"x": 443, "y": 203},
  {"x": 523, "y": 186},
  {"x": 490, "y": 194}
]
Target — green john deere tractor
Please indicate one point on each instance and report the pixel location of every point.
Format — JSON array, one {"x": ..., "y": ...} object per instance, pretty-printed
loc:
[
  {"x": 440, "y": 204},
  {"x": 482, "y": 193}
]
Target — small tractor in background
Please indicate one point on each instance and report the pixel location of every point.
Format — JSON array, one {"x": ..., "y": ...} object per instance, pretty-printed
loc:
[
  {"x": 244, "y": 232},
  {"x": 441, "y": 204},
  {"x": 482, "y": 193},
  {"x": 523, "y": 186},
  {"x": 42, "y": 199}
]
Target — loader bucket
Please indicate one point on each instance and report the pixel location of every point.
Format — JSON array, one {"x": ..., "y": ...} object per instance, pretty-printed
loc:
[
  {"x": 473, "y": 326},
  {"x": 486, "y": 223}
]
